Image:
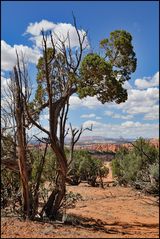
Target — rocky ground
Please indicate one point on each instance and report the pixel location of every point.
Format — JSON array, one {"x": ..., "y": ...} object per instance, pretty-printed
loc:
[{"x": 112, "y": 212}]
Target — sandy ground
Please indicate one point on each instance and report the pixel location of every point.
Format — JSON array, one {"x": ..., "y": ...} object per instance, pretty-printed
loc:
[{"x": 113, "y": 212}]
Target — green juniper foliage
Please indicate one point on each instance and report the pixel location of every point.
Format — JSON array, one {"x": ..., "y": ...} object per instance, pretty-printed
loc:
[{"x": 103, "y": 77}]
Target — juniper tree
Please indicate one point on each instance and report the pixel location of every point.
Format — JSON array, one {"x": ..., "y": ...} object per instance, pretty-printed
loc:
[{"x": 61, "y": 73}]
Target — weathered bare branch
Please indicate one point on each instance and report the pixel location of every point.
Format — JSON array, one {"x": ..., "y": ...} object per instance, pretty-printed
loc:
[{"x": 75, "y": 136}]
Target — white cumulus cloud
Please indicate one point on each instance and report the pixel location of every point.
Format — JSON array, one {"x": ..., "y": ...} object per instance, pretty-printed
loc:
[
  {"x": 5, "y": 82},
  {"x": 36, "y": 28},
  {"x": 60, "y": 30},
  {"x": 128, "y": 129},
  {"x": 117, "y": 116},
  {"x": 141, "y": 102},
  {"x": 8, "y": 55},
  {"x": 88, "y": 116},
  {"x": 147, "y": 82},
  {"x": 88, "y": 102}
]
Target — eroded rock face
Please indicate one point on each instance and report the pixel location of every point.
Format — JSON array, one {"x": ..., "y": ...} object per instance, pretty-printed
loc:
[
  {"x": 103, "y": 147},
  {"x": 154, "y": 142},
  {"x": 115, "y": 147}
]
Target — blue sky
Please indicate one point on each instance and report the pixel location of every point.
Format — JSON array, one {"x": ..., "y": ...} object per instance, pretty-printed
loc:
[{"x": 139, "y": 115}]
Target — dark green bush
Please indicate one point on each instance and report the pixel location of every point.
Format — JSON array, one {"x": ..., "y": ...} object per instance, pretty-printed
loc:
[
  {"x": 85, "y": 167},
  {"x": 138, "y": 166}
]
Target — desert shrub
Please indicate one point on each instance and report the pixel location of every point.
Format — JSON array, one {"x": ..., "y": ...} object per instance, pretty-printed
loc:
[
  {"x": 10, "y": 189},
  {"x": 116, "y": 168},
  {"x": 84, "y": 167},
  {"x": 42, "y": 177},
  {"x": 10, "y": 184},
  {"x": 154, "y": 171},
  {"x": 138, "y": 167},
  {"x": 71, "y": 198},
  {"x": 154, "y": 175},
  {"x": 48, "y": 173}
]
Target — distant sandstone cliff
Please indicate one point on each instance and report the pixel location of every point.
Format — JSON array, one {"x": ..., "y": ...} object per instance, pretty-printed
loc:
[{"x": 107, "y": 147}]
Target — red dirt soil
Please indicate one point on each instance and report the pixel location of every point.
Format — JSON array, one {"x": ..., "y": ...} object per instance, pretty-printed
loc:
[{"x": 113, "y": 212}]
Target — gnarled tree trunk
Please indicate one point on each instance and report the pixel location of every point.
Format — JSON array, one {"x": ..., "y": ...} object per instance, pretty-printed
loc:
[
  {"x": 21, "y": 144},
  {"x": 54, "y": 202}
]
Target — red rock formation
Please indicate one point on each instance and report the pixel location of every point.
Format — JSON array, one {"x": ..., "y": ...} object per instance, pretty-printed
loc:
[
  {"x": 115, "y": 147},
  {"x": 154, "y": 142}
]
